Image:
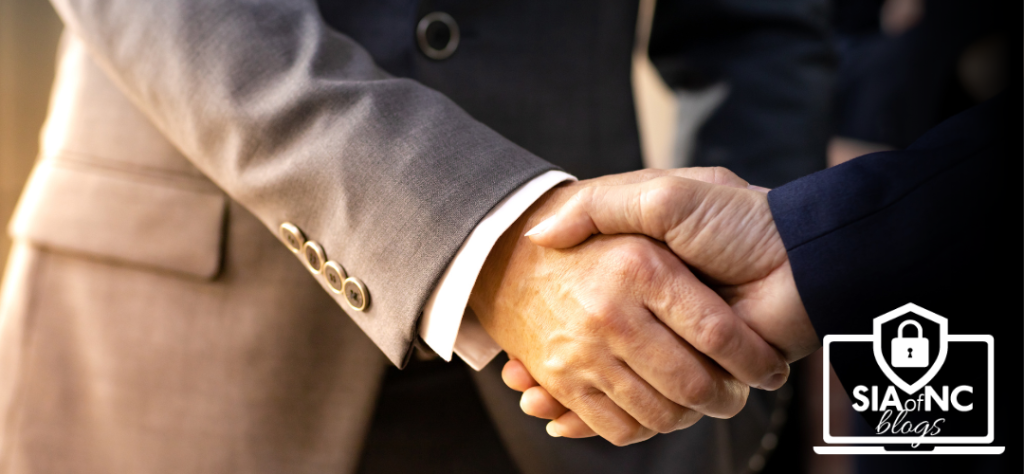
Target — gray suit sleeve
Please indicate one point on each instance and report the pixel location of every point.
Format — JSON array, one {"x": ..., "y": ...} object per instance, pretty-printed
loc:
[{"x": 296, "y": 122}]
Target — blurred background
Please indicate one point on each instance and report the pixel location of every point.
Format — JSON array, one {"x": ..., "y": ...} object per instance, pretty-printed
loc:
[{"x": 902, "y": 66}]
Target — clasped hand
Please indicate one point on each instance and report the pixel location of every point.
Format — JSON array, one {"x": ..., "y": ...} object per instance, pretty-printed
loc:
[{"x": 615, "y": 335}]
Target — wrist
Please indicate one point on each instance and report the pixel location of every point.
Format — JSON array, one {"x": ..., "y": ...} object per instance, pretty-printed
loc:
[{"x": 507, "y": 263}]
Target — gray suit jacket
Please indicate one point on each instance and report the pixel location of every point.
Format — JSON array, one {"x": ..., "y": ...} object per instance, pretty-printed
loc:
[
  {"x": 295, "y": 122},
  {"x": 179, "y": 128}
]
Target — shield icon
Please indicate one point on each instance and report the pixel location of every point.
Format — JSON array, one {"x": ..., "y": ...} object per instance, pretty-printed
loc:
[{"x": 884, "y": 347}]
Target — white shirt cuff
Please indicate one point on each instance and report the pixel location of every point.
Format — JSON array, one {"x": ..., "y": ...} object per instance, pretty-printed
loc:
[{"x": 443, "y": 326}]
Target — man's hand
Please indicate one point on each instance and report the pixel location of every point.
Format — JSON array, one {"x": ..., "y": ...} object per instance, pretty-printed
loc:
[
  {"x": 725, "y": 233},
  {"x": 618, "y": 329}
]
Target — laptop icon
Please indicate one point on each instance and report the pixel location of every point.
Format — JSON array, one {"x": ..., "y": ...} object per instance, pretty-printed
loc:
[{"x": 932, "y": 392}]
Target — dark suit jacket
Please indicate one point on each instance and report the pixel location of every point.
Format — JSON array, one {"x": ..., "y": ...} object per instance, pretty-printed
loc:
[
  {"x": 935, "y": 224},
  {"x": 562, "y": 86},
  {"x": 778, "y": 73}
]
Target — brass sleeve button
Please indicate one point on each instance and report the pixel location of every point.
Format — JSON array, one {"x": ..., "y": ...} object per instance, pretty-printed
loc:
[
  {"x": 335, "y": 276},
  {"x": 314, "y": 257},
  {"x": 356, "y": 294},
  {"x": 292, "y": 236}
]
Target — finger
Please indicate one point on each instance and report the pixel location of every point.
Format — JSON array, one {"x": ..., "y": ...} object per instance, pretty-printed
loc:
[
  {"x": 606, "y": 419},
  {"x": 645, "y": 404},
  {"x": 651, "y": 207},
  {"x": 516, "y": 376},
  {"x": 773, "y": 309},
  {"x": 684, "y": 376},
  {"x": 570, "y": 425},
  {"x": 539, "y": 403},
  {"x": 700, "y": 316}
]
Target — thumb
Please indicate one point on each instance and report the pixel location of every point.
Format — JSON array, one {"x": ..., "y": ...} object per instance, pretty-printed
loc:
[
  {"x": 713, "y": 175},
  {"x": 606, "y": 208},
  {"x": 570, "y": 226},
  {"x": 650, "y": 208}
]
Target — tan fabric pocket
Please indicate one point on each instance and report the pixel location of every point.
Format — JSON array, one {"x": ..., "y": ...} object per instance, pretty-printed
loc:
[{"x": 166, "y": 222}]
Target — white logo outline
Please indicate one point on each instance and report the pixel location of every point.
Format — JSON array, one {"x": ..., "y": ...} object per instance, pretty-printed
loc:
[{"x": 830, "y": 439}]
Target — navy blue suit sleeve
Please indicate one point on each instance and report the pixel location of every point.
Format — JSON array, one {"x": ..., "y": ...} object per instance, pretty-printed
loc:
[
  {"x": 921, "y": 225},
  {"x": 935, "y": 225}
]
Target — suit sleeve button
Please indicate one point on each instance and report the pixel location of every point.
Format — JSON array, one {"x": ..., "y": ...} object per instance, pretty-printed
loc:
[
  {"x": 292, "y": 236},
  {"x": 335, "y": 276},
  {"x": 314, "y": 256},
  {"x": 356, "y": 294}
]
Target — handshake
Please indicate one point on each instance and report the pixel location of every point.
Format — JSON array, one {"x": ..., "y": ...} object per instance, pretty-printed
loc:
[{"x": 685, "y": 302}]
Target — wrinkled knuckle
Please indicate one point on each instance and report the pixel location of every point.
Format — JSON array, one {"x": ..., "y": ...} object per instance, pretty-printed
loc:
[
  {"x": 628, "y": 253},
  {"x": 666, "y": 190},
  {"x": 554, "y": 369},
  {"x": 722, "y": 175},
  {"x": 635, "y": 258},
  {"x": 620, "y": 328},
  {"x": 604, "y": 318},
  {"x": 715, "y": 334},
  {"x": 660, "y": 201},
  {"x": 697, "y": 391}
]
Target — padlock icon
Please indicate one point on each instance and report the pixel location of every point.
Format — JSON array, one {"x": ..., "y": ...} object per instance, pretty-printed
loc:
[{"x": 910, "y": 352}]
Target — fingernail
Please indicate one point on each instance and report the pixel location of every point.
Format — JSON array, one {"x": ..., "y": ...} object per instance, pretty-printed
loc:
[
  {"x": 540, "y": 227},
  {"x": 551, "y": 430},
  {"x": 760, "y": 189}
]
